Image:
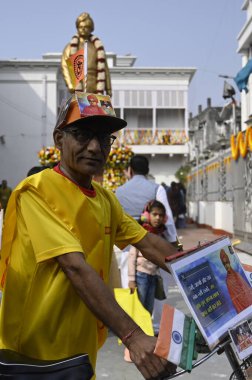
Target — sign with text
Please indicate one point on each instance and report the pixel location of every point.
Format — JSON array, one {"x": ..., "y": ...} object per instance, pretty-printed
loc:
[{"x": 215, "y": 288}]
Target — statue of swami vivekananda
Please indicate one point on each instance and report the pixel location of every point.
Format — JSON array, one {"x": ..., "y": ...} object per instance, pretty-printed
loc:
[{"x": 98, "y": 76}]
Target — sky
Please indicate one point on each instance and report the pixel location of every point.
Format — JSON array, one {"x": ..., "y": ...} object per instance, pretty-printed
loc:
[{"x": 163, "y": 33}]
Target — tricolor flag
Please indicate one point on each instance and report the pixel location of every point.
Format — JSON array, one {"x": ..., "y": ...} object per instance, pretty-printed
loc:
[
  {"x": 176, "y": 338},
  {"x": 75, "y": 64}
]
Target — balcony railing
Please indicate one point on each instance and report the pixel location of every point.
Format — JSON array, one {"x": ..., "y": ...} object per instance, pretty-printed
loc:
[{"x": 148, "y": 137}]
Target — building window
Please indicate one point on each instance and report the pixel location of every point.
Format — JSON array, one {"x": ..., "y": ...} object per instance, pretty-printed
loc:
[
  {"x": 138, "y": 98},
  {"x": 138, "y": 118},
  {"x": 171, "y": 98},
  {"x": 116, "y": 98},
  {"x": 170, "y": 118}
]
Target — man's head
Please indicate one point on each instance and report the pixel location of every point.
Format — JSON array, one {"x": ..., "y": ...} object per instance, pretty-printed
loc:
[
  {"x": 92, "y": 99},
  {"x": 139, "y": 165},
  {"x": 84, "y": 25},
  {"x": 84, "y": 139}
]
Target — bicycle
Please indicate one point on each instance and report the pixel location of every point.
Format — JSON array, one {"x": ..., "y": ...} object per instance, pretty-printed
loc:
[
  {"x": 238, "y": 368},
  {"x": 241, "y": 369}
]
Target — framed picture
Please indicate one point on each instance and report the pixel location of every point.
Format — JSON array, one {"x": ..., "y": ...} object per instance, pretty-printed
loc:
[
  {"x": 241, "y": 336},
  {"x": 215, "y": 287}
]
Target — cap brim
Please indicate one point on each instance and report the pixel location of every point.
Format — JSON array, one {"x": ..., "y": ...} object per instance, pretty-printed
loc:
[{"x": 102, "y": 123}]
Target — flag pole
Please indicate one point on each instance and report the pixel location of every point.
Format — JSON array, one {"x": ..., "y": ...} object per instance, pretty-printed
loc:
[{"x": 85, "y": 66}]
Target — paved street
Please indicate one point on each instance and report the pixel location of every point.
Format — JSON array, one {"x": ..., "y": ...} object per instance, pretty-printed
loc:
[{"x": 110, "y": 360}]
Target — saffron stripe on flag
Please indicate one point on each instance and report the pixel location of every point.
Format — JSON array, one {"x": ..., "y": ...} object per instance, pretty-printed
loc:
[
  {"x": 170, "y": 339},
  {"x": 176, "y": 339}
]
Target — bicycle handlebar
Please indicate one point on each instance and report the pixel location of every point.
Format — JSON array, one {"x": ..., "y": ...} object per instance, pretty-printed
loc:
[{"x": 219, "y": 347}]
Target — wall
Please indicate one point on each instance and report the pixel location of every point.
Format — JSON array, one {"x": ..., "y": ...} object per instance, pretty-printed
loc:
[
  {"x": 163, "y": 167},
  {"x": 28, "y": 113},
  {"x": 217, "y": 215},
  {"x": 224, "y": 195}
]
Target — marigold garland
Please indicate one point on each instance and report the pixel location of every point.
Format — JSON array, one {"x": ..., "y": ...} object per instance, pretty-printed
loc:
[
  {"x": 117, "y": 162},
  {"x": 241, "y": 143},
  {"x": 49, "y": 155}
]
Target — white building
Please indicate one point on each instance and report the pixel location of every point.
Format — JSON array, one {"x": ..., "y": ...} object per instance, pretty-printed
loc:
[
  {"x": 154, "y": 101},
  {"x": 219, "y": 189}
]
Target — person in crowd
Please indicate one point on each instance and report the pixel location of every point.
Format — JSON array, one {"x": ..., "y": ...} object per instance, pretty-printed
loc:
[
  {"x": 239, "y": 289},
  {"x": 142, "y": 272},
  {"x": 98, "y": 77},
  {"x": 181, "y": 223},
  {"x": 5, "y": 193},
  {"x": 36, "y": 169},
  {"x": 56, "y": 250},
  {"x": 133, "y": 196},
  {"x": 176, "y": 198}
]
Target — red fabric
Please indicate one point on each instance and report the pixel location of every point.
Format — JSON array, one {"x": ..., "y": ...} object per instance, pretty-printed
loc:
[
  {"x": 240, "y": 292},
  {"x": 93, "y": 110},
  {"x": 154, "y": 230}
]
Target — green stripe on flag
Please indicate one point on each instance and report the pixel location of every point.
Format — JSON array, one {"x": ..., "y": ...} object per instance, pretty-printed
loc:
[{"x": 188, "y": 344}]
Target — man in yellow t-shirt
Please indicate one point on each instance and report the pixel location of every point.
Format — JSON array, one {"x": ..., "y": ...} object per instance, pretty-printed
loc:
[{"x": 59, "y": 232}]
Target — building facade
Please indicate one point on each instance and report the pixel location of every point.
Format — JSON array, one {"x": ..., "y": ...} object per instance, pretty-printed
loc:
[
  {"x": 220, "y": 185},
  {"x": 154, "y": 101},
  {"x": 245, "y": 50}
]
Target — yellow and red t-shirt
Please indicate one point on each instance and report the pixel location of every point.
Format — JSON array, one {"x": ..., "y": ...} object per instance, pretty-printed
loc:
[{"x": 48, "y": 215}]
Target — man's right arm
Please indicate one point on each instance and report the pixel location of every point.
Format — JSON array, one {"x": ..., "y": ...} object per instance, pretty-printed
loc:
[{"x": 99, "y": 299}]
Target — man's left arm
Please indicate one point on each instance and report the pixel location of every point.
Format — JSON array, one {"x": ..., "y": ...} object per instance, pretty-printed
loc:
[{"x": 154, "y": 248}]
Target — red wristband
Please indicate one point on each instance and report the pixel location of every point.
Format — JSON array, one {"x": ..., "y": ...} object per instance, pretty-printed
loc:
[{"x": 126, "y": 337}]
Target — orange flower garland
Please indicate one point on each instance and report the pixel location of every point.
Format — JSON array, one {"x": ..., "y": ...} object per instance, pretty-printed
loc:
[
  {"x": 117, "y": 162},
  {"x": 49, "y": 155},
  {"x": 240, "y": 144}
]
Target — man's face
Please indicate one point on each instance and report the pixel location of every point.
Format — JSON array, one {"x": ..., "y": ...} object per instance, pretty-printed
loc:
[
  {"x": 83, "y": 152},
  {"x": 85, "y": 28},
  {"x": 157, "y": 217},
  {"x": 93, "y": 101}
]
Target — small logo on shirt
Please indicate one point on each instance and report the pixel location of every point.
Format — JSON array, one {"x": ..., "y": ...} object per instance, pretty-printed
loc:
[{"x": 107, "y": 230}]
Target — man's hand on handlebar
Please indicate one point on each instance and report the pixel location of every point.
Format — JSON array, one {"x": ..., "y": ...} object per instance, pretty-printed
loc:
[{"x": 141, "y": 348}]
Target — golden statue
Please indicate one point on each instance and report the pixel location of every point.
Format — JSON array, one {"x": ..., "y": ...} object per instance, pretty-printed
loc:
[{"x": 98, "y": 76}]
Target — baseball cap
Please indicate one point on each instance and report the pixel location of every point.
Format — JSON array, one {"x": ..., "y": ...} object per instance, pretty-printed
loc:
[{"x": 90, "y": 110}]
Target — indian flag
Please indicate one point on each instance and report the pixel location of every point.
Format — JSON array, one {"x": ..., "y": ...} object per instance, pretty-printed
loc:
[{"x": 176, "y": 338}]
